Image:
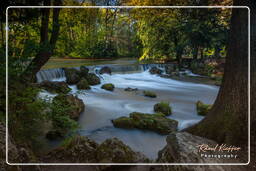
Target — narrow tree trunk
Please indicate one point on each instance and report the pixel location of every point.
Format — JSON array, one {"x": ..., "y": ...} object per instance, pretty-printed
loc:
[
  {"x": 228, "y": 120},
  {"x": 46, "y": 46},
  {"x": 2, "y": 33},
  {"x": 195, "y": 52}
]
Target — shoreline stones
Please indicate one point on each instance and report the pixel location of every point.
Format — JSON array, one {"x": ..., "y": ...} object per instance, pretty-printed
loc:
[
  {"x": 153, "y": 122},
  {"x": 80, "y": 149}
]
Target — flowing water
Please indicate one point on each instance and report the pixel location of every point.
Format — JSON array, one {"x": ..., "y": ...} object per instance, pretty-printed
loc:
[{"x": 102, "y": 106}]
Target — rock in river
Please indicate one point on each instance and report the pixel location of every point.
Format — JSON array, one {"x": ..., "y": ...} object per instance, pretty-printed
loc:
[
  {"x": 153, "y": 122},
  {"x": 93, "y": 79},
  {"x": 155, "y": 70},
  {"x": 83, "y": 84},
  {"x": 163, "y": 107},
  {"x": 105, "y": 70},
  {"x": 109, "y": 87},
  {"x": 72, "y": 75}
]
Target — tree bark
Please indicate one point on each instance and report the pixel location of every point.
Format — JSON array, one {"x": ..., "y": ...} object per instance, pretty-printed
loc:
[
  {"x": 46, "y": 46},
  {"x": 228, "y": 119},
  {"x": 195, "y": 52}
]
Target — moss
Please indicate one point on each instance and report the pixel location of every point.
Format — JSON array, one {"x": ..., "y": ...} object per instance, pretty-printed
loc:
[
  {"x": 202, "y": 109},
  {"x": 123, "y": 122},
  {"x": 83, "y": 84},
  {"x": 163, "y": 107},
  {"x": 92, "y": 79},
  {"x": 149, "y": 94},
  {"x": 154, "y": 122},
  {"x": 109, "y": 87}
]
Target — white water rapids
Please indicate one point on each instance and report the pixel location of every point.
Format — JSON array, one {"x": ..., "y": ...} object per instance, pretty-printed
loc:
[{"x": 101, "y": 106}]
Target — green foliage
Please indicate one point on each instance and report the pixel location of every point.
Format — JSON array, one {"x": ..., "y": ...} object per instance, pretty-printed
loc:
[
  {"x": 59, "y": 115},
  {"x": 26, "y": 114},
  {"x": 202, "y": 109}
]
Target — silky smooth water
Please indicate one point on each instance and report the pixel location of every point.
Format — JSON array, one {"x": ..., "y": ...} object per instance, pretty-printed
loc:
[{"x": 102, "y": 106}]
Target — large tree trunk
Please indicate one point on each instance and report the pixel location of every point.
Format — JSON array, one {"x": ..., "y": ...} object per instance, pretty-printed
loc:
[
  {"x": 46, "y": 46},
  {"x": 228, "y": 120}
]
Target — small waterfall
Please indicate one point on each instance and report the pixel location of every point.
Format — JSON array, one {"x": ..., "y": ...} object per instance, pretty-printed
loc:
[{"x": 50, "y": 74}]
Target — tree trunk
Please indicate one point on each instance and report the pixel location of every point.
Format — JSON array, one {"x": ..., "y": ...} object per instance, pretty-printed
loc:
[
  {"x": 228, "y": 120},
  {"x": 46, "y": 46},
  {"x": 195, "y": 52}
]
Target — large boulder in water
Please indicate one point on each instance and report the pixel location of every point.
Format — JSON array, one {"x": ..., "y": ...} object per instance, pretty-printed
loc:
[
  {"x": 55, "y": 86},
  {"x": 83, "y": 84},
  {"x": 76, "y": 105},
  {"x": 72, "y": 75},
  {"x": 105, "y": 70},
  {"x": 155, "y": 70},
  {"x": 93, "y": 79},
  {"x": 115, "y": 151},
  {"x": 153, "y": 122}
]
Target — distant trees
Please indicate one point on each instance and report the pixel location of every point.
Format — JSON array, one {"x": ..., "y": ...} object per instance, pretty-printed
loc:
[{"x": 173, "y": 33}]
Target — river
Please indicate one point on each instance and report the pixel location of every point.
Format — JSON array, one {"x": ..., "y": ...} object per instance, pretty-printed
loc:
[{"x": 102, "y": 106}]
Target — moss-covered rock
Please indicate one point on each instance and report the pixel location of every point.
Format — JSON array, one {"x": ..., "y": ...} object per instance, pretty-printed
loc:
[
  {"x": 149, "y": 94},
  {"x": 202, "y": 109},
  {"x": 93, "y": 79},
  {"x": 83, "y": 71},
  {"x": 72, "y": 75},
  {"x": 123, "y": 122},
  {"x": 105, "y": 70},
  {"x": 163, "y": 107},
  {"x": 155, "y": 70},
  {"x": 78, "y": 149},
  {"x": 115, "y": 151},
  {"x": 75, "y": 104},
  {"x": 154, "y": 122},
  {"x": 55, "y": 87},
  {"x": 109, "y": 87},
  {"x": 83, "y": 84}
]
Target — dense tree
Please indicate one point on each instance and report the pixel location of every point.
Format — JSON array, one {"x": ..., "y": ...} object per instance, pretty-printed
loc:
[{"x": 228, "y": 120}]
